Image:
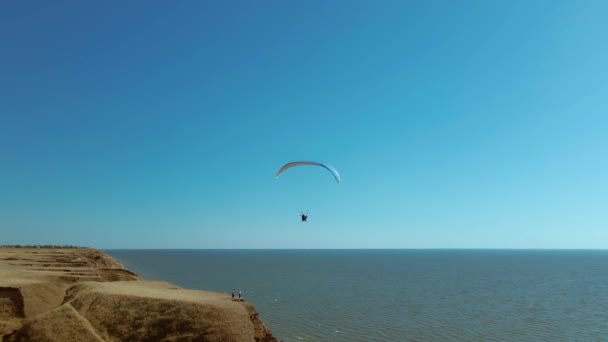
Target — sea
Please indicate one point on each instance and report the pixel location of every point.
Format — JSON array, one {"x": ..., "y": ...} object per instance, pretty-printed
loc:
[{"x": 402, "y": 295}]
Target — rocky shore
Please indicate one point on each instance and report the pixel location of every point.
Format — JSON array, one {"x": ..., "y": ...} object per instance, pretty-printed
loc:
[{"x": 82, "y": 294}]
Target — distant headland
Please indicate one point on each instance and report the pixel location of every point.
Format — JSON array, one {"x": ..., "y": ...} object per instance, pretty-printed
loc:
[{"x": 42, "y": 246}]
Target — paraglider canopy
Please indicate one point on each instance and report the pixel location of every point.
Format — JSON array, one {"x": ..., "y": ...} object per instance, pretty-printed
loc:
[{"x": 329, "y": 168}]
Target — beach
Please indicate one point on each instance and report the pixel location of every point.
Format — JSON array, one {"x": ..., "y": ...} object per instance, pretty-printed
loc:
[{"x": 82, "y": 294}]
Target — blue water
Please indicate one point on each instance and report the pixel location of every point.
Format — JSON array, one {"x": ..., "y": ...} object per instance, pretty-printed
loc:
[{"x": 399, "y": 295}]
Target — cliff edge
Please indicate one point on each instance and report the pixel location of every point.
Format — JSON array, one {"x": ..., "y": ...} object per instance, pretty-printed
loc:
[{"x": 85, "y": 295}]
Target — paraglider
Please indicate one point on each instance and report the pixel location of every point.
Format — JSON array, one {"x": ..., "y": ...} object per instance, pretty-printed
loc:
[{"x": 328, "y": 167}]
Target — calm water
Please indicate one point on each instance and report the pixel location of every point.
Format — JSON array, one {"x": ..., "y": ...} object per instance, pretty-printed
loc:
[{"x": 402, "y": 295}]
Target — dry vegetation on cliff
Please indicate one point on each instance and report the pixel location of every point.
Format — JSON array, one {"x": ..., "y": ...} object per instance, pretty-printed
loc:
[{"x": 85, "y": 295}]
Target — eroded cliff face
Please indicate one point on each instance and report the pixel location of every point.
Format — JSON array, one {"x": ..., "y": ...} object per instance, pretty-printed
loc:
[{"x": 85, "y": 295}]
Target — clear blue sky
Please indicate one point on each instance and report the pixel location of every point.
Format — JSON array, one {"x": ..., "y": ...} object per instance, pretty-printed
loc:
[{"x": 454, "y": 124}]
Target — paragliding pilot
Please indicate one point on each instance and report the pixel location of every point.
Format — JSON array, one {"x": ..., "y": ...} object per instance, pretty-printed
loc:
[{"x": 304, "y": 216}]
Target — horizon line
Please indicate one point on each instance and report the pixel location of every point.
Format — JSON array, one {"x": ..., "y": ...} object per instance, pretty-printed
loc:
[{"x": 423, "y": 248}]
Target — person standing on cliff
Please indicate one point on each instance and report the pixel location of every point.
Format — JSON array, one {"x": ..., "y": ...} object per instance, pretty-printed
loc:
[
  {"x": 232, "y": 293},
  {"x": 240, "y": 294}
]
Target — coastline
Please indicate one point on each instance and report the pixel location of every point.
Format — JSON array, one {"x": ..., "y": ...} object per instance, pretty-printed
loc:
[{"x": 76, "y": 294}]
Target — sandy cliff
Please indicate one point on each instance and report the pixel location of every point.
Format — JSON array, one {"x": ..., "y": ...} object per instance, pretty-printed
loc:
[{"x": 85, "y": 295}]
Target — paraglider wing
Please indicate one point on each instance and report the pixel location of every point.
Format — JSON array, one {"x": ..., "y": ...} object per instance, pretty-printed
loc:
[{"x": 301, "y": 163}]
